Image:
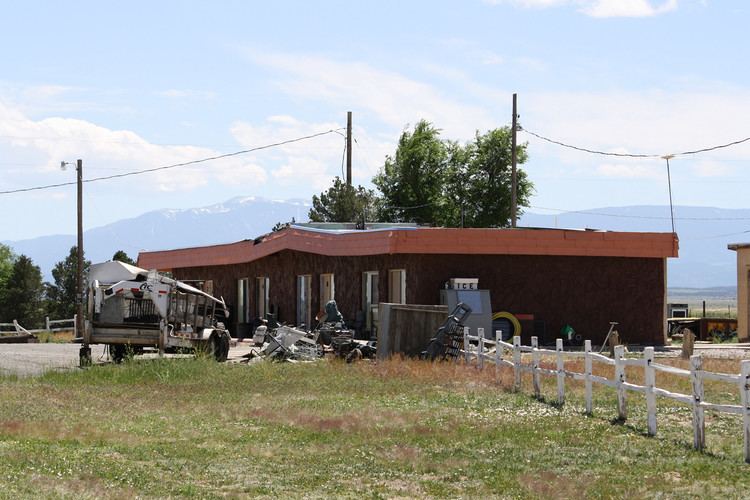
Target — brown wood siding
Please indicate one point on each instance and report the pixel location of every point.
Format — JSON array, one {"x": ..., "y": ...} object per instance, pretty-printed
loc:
[{"x": 585, "y": 292}]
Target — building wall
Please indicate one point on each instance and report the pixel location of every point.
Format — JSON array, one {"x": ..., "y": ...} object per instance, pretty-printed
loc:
[
  {"x": 743, "y": 298},
  {"x": 585, "y": 292}
]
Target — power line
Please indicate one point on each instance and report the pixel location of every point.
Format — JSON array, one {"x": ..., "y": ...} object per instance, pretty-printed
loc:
[
  {"x": 175, "y": 165},
  {"x": 634, "y": 155}
]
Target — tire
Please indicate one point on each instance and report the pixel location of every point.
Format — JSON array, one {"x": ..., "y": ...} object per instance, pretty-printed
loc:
[
  {"x": 84, "y": 357},
  {"x": 117, "y": 352},
  {"x": 218, "y": 347}
]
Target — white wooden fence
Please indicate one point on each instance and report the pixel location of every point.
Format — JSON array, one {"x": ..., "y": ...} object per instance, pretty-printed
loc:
[
  {"x": 54, "y": 325},
  {"x": 488, "y": 350}
]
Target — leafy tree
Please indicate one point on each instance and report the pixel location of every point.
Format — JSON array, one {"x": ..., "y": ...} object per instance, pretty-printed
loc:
[
  {"x": 7, "y": 259},
  {"x": 344, "y": 203},
  {"x": 121, "y": 256},
  {"x": 21, "y": 297},
  {"x": 435, "y": 181},
  {"x": 479, "y": 181},
  {"x": 412, "y": 180},
  {"x": 62, "y": 294}
]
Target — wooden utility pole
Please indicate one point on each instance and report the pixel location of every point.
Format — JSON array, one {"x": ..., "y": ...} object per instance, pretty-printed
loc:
[
  {"x": 513, "y": 177},
  {"x": 79, "y": 277},
  {"x": 349, "y": 148}
]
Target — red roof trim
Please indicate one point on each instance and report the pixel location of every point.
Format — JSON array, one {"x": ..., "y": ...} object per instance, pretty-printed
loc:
[{"x": 421, "y": 240}]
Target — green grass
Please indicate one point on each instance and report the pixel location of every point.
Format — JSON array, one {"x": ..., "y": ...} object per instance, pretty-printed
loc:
[{"x": 192, "y": 427}]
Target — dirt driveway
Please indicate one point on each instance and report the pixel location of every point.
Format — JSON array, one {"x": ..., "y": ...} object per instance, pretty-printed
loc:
[{"x": 35, "y": 359}]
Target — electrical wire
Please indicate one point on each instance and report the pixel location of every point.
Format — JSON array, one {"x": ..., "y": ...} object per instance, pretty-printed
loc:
[
  {"x": 634, "y": 155},
  {"x": 175, "y": 165}
]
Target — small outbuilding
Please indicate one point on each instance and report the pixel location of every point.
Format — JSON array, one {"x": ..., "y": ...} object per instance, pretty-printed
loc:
[
  {"x": 581, "y": 278},
  {"x": 743, "y": 289}
]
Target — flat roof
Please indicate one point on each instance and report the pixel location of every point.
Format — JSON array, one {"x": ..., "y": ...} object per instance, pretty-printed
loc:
[
  {"x": 420, "y": 240},
  {"x": 737, "y": 246}
]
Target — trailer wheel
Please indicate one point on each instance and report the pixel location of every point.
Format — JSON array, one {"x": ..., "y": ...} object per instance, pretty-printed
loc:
[
  {"x": 84, "y": 357},
  {"x": 117, "y": 352},
  {"x": 218, "y": 347}
]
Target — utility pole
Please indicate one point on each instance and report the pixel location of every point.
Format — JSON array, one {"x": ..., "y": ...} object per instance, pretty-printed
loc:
[
  {"x": 513, "y": 176},
  {"x": 79, "y": 278},
  {"x": 349, "y": 148}
]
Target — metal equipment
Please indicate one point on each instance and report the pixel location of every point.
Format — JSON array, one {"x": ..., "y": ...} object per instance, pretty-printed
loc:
[
  {"x": 449, "y": 339},
  {"x": 130, "y": 308}
]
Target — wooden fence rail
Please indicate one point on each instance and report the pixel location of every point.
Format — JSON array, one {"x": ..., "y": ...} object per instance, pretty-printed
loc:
[
  {"x": 493, "y": 351},
  {"x": 50, "y": 325}
]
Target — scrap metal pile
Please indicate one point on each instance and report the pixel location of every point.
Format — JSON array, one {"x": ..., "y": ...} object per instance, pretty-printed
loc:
[{"x": 285, "y": 343}]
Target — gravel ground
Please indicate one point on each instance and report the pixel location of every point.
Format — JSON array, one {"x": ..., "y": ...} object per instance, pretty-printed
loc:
[{"x": 35, "y": 359}]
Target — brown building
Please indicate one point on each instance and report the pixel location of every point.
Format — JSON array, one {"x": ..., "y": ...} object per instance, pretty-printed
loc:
[
  {"x": 743, "y": 290},
  {"x": 582, "y": 278}
]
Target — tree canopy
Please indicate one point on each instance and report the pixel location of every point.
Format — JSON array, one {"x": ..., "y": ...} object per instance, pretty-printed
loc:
[
  {"x": 62, "y": 294},
  {"x": 344, "y": 203},
  {"x": 7, "y": 259},
  {"x": 22, "y": 296},
  {"x": 121, "y": 256},
  {"x": 429, "y": 180}
]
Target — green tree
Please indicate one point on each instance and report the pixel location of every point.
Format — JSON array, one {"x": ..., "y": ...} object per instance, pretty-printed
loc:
[
  {"x": 21, "y": 297},
  {"x": 412, "y": 180},
  {"x": 434, "y": 181},
  {"x": 344, "y": 203},
  {"x": 121, "y": 256},
  {"x": 7, "y": 259},
  {"x": 479, "y": 181},
  {"x": 62, "y": 294}
]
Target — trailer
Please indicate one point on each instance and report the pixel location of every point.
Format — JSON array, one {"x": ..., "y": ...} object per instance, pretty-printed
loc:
[{"x": 130, "y": 309}]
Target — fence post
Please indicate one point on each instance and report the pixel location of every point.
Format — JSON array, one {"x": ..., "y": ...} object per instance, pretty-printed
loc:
[
  {"x": 480, "y": 348},
  {"x": 587, "y": 376},
  {"x": 46, "y": 323},
  {"x": 699, "y": 423},
  {"x": 560, "y": 372},
  {"x": 535, "y": 367},
  {"x": 622, "y": 409},
  {"x": 745, "y": 397},
  {"x": 466, "y": 344},
  {"x": 649, "y": 378},
  {"x": 516, "y": 363},
  {"x": 498, "y": 354}
]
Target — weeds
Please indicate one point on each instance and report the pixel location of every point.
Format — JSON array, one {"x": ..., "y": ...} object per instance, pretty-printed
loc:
[{"x": 404, "y": 428}]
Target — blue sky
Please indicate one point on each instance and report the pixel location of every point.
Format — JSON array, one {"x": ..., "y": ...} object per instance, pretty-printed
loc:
[{"x": 145, "y": 84}]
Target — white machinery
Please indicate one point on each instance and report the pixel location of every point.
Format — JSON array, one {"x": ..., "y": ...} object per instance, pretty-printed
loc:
[{"x": 132, "y": 308}]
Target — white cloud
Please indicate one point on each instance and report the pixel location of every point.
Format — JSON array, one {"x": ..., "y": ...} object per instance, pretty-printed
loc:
[
  {"x": 108, "y": 152},
  {"x": 393, "y": 98},
  {"x": 600, "y": 8},
  {"x": 627, "y": 8}
]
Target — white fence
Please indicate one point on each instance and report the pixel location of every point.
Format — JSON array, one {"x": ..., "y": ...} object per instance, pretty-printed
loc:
[
  {"x": 488, "y": 350},
  {"x": 54, "y": 325}
]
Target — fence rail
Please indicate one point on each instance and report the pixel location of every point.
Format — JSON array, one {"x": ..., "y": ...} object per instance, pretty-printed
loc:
[
  {"x": 51, "y": 325},
  {"x": 492, "y": 351}
]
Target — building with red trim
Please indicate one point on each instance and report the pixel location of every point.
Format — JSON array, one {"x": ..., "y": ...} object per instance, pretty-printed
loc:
[{"x": 581, "y": 278}]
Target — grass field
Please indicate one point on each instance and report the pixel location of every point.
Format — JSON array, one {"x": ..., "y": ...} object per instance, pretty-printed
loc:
[{"x": 191, "y": 427}]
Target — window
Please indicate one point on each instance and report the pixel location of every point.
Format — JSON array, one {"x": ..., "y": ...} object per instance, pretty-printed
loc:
[
  {"x": 304, "y": 304},
  {"x": 327, "y": 290},
  {"x": 370, "y": 296},
  {"x": 243, "y": 300},
  {"x": 261, "y": 296},
  {"x": 397, "y": 286}
]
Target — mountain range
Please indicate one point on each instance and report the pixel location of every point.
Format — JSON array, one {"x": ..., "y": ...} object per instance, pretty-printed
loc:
[{"x": 704, "y": 233}]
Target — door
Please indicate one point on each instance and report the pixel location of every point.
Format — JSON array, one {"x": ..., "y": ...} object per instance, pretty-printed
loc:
[
  {"x": 370, "y": 296},
  {"x": 304, "y": 304}
]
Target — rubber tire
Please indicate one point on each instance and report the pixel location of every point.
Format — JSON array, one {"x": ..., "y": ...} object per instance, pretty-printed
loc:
[
  {"x": 513, "y": 321},
  {"x": 84, "y": 357},
  {"x": 117, "y": 352}
]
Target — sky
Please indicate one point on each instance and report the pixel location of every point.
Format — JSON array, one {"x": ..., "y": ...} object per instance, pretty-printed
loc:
[{"x": 128, "y": 86}]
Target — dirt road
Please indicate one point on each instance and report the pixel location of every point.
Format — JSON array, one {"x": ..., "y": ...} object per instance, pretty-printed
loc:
[{"x": 35, "y": 359}]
